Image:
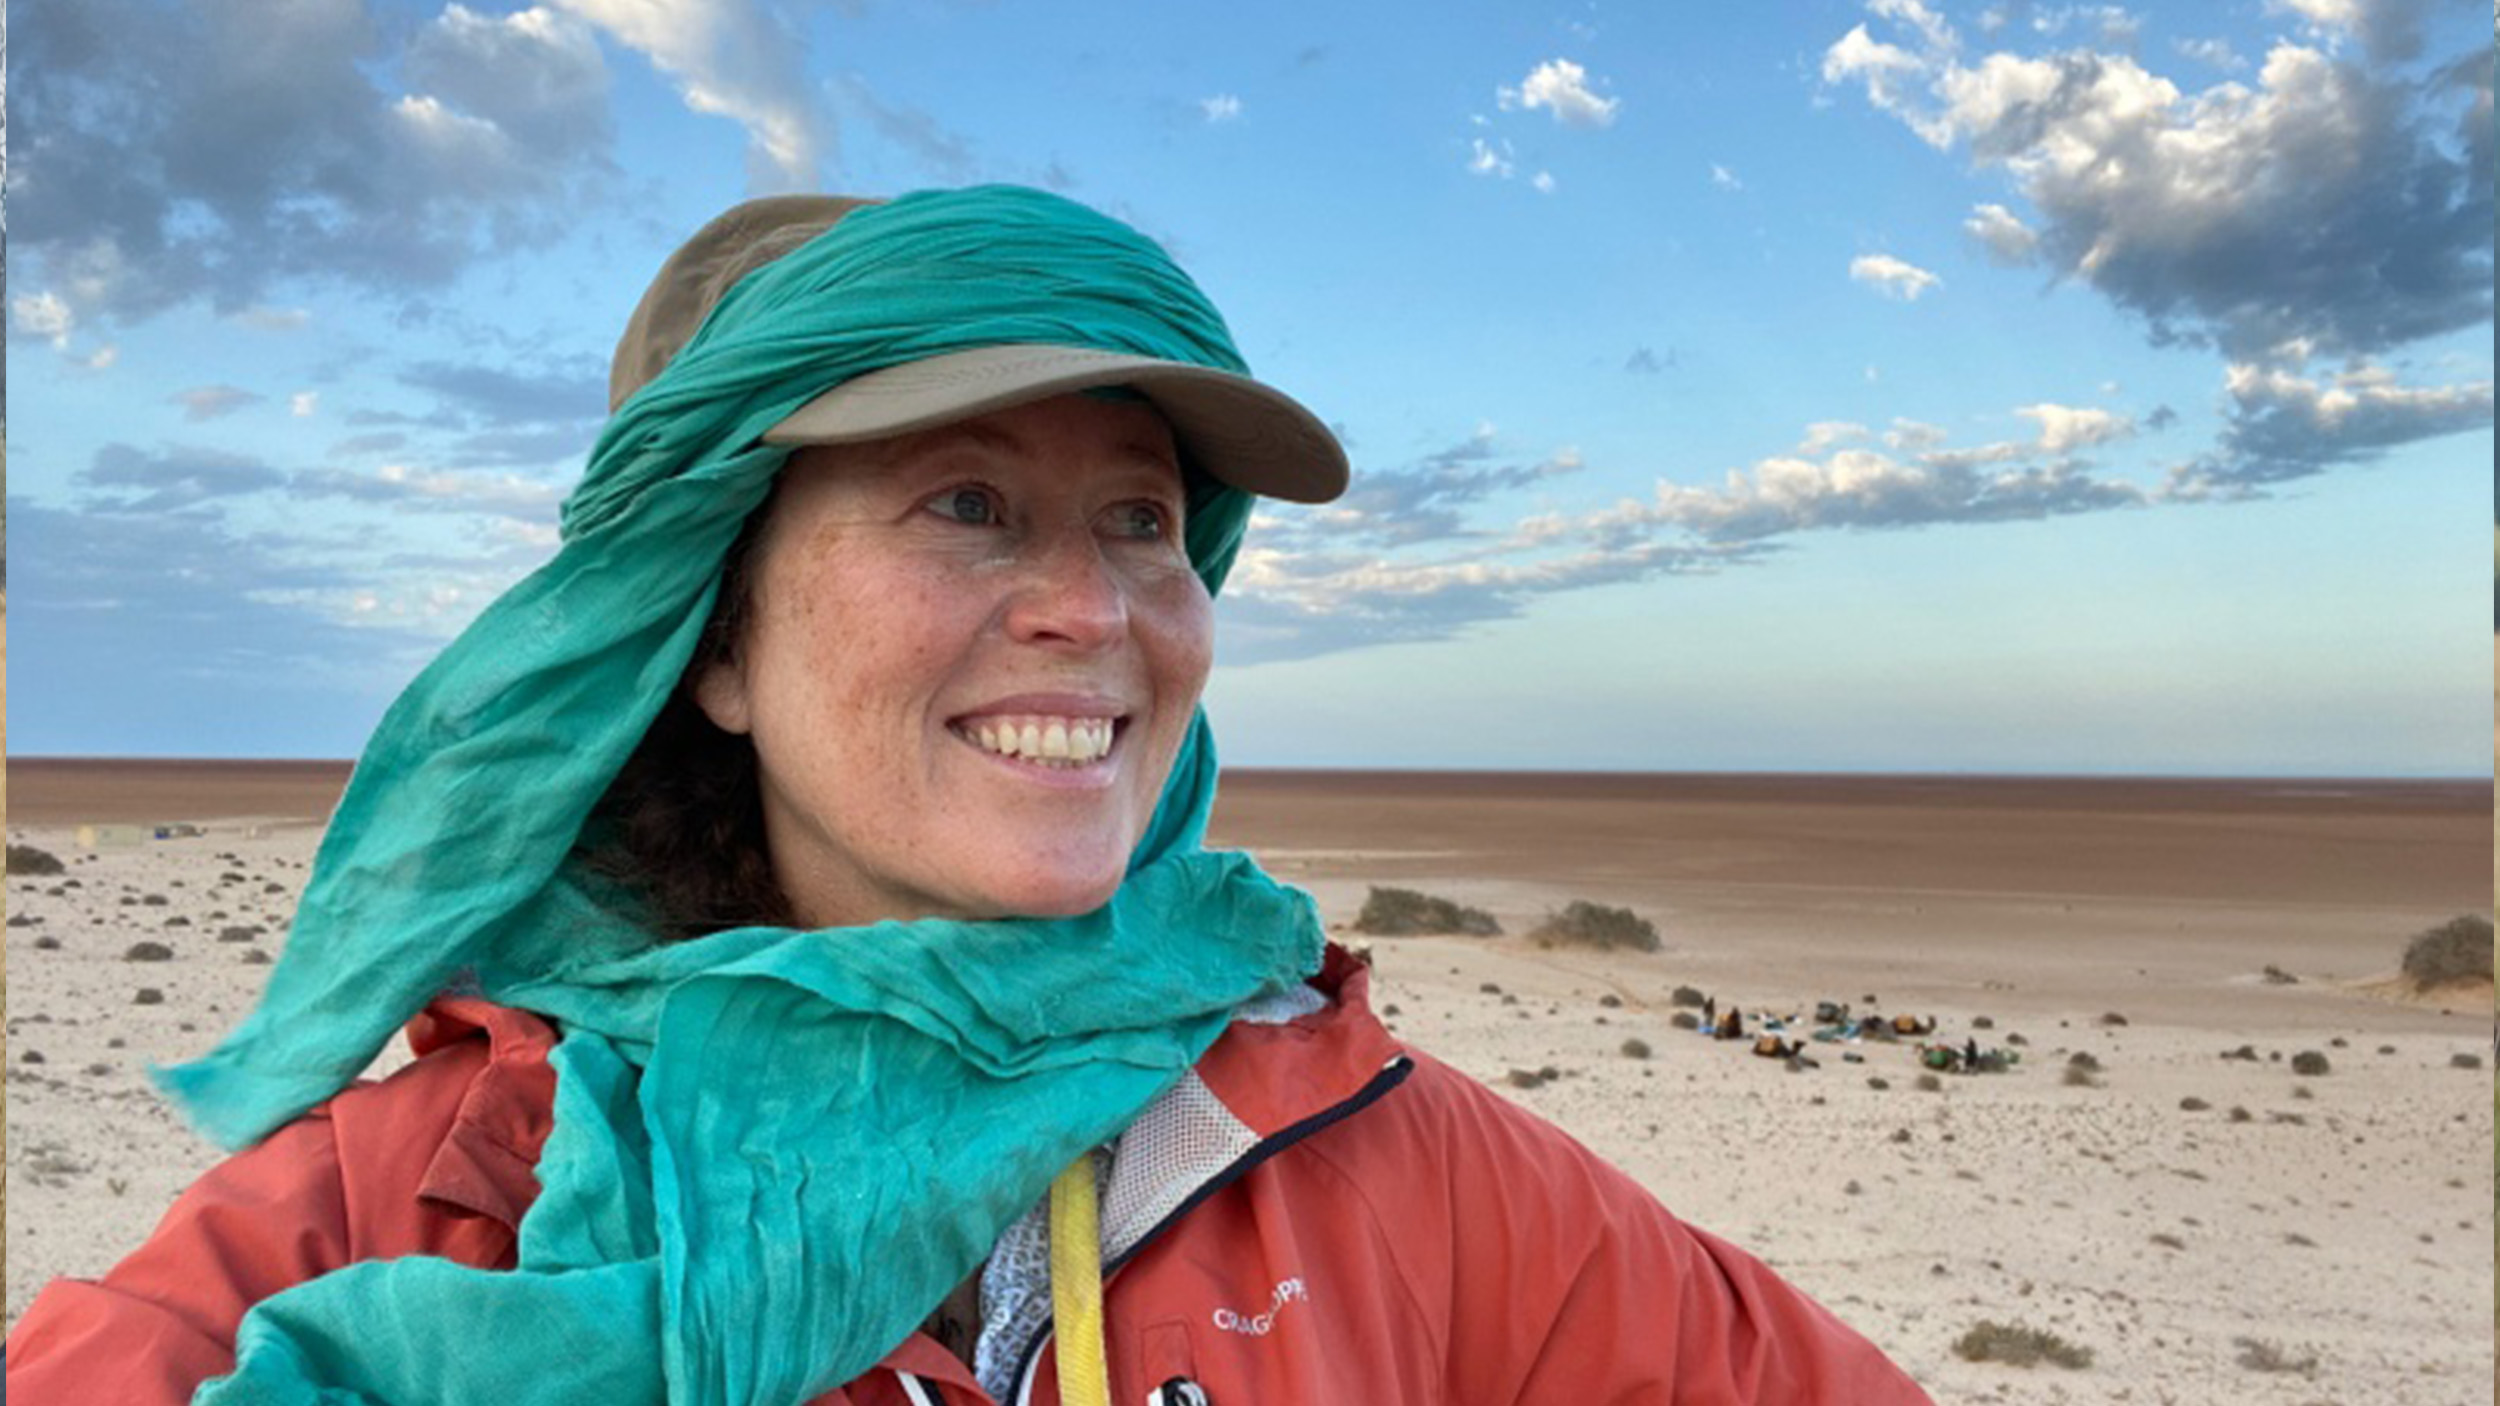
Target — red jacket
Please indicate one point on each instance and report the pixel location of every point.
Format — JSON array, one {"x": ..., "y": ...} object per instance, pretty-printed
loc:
[{"x": 1330, "y": 1218}]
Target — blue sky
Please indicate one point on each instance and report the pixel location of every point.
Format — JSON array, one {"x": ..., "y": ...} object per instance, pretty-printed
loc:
[{"x": 1822, "y": 386}]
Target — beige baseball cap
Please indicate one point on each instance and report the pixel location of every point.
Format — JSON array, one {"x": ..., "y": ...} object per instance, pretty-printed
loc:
[{"x": 1240, "y": 430}]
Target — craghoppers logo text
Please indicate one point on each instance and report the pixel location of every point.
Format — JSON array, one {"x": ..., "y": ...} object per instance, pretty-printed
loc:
[{"x": 1260, "y": 1325}]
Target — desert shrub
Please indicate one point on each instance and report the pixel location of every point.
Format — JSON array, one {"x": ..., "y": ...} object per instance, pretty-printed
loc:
[
  {"x": 2310, "y": 1063},
  {"x": 26, "y": 859},
  {"x": 1684, "y": 1020},
  {"x": 2457, "y": 950},
  {"x": 2258, "y": 1355},
  {"x": 1391, "y": 912},
  {"x": 2017, "y": 1345},
  {"x": 1636, "y": 1048},
  {"x": 1686, "y": 996},
  {"x": 2078, "y": 1077},
  {"x": 1585, "y": 924}
]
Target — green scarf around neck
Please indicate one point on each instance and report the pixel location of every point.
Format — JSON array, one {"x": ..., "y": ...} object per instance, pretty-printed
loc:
[{"x": 773, "y": 1150}]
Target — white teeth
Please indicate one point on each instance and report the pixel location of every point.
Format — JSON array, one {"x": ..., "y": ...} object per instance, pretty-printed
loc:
[{"x": 1048, "y": 741}]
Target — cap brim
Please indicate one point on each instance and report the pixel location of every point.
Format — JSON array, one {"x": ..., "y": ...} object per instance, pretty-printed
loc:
[{"x": 1241, "y": 431}]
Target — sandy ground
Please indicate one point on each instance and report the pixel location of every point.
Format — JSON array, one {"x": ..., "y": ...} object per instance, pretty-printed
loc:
[{"x": 2343, "y": 1220}]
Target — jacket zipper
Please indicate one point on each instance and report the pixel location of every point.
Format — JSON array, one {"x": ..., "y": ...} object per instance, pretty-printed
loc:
[{"x": 1390, "y": 1076}]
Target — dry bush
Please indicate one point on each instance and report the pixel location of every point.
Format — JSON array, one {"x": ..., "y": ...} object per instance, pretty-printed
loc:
[
  {"x": 1585, "y": 924},
  {"x": 2458, "y": 950},
  {"x": 2310, "y": 1063},
  {"x": 26, "y": 859},
  {"x": 1392, "y": 912},
  {"x": 2258, "y": 1355},
  {"x": 2019, "y": 1346}
]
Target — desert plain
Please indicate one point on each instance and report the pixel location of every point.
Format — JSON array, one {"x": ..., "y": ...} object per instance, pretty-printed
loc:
[{"x": 2151, "y": 1180}]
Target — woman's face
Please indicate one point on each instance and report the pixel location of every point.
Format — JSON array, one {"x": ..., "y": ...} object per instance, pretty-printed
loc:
[{"x": 971, "y": 657}]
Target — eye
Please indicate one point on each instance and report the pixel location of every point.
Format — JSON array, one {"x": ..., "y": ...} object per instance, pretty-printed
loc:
[
  {"x": 1145, "y": 521},
  {"x": 970, "y": 504}
]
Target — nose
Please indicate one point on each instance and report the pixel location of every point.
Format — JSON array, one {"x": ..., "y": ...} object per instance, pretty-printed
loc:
[{"x": 1068, "y": 595}]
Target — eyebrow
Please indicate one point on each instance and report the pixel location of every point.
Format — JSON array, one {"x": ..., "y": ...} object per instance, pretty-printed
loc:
[{"x": 1142, "y": 451}]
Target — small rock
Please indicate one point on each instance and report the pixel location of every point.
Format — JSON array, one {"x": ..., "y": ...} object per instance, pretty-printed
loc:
[{"x": 148, "y": 952}]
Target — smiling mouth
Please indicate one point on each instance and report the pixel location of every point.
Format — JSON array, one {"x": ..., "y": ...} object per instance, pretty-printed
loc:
[{"x": 1043, "y": 740}]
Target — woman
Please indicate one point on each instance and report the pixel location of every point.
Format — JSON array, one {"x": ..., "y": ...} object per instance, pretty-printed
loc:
[{"x": 804, "y": 873}]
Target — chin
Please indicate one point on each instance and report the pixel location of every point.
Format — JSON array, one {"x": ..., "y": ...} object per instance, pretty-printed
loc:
[{"x": 1056, "y": 897}]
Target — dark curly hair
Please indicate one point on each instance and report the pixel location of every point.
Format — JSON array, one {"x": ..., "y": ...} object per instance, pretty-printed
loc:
[{"x": 681, "y": 828}]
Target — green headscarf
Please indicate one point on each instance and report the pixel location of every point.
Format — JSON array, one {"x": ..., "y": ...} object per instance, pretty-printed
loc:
[{"x": 773, "y": 1150}]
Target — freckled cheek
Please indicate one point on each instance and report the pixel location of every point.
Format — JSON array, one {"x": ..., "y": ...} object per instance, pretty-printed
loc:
[{"x": 1182, "y": 619}]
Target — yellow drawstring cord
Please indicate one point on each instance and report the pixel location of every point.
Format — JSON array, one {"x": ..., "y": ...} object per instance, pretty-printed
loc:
[{"x": 1076, "y": 1286}]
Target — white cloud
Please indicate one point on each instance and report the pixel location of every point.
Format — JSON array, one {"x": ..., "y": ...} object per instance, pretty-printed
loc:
[
  {"x": 2243, "y": 215},
  {"x": 1490, "y": 160},
  {"x": 1914, "y": 435},
  {"x": 731, "y": 58},
  {"x": 1825, "y": 434},
  {"x": 43, "y": 315},
  {"x": 1562, "y": 88},
  {"x": 274, "y": 319},
  {"x": 2065, "y": 427},
  {"x": 212, "y": 402},
  {"x": 1724, "y": 178},
  {"x": 2216, "y": 53},
  {"x": 2007, "y": 239},
  {"x": 303, "y": 404},
  {"x": 103, "y": 357},
  {"x": 1892, "y": 277},
  {"x": 223, "y": 152},
  {"x": 1223, "y": 107},
  {"x": 2287, "y": 424},
  {"x": 2389, "y": 30},
  {"x": 1893, "y": 77},
  {"x": 1938, "y": 36},
  {"x": 1543, "y": 181}
]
